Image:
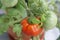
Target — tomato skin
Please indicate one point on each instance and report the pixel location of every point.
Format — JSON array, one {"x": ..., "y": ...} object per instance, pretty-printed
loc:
[
  {"x": 30, "y": 29},
  {"x": 35, "y": 30}
]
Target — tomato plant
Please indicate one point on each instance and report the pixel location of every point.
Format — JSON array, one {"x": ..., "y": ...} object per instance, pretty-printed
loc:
[{"x": 29, "y": 18}]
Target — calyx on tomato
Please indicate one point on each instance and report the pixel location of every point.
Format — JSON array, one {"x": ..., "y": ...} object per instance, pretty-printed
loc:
[{"x": 30, "y": 29}]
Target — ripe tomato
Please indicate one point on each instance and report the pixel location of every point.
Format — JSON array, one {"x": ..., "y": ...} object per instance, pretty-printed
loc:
[{"x": 30, "y": 29}]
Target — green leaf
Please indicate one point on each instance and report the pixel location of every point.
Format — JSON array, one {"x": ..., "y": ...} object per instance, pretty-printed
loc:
[
  {"x": 17, "y": 29},
  {"x": 3, "y": 19},
  {"x": 23, "y": 3},
  {"x": 14, "y": 16},
  {"x": 14, "y": 13},
  {"x": 22, "y": 10},
  {"x": 38, "y": 7},
  {"x": 3, "y": 24}
]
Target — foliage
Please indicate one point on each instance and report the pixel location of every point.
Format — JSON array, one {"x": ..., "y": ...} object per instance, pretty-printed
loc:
[
  {"x": 17, "y": 28},
  {"x": 3, "y": 24},
  {"x": 13, "y": 16}
]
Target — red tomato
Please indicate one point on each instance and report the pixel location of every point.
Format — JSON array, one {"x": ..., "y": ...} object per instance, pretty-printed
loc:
[{"x": 30, "y": 29}]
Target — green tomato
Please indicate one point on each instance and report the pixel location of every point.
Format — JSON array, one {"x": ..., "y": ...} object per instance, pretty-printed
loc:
[
  {"x": 9, "y": 3},
  {"x": 51, "y": 21}
]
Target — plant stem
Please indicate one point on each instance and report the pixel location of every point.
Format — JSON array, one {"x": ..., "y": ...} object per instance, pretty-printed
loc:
[
  {"x": 14, "y": 22},
  {"x": 29, "y": 12},
  {"x": 36, "y": 38}
]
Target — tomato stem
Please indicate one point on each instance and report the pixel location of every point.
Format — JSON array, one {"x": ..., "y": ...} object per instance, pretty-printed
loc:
[
  {"x": 36, "y": 38},
  {"x": 30, "y": 13}
]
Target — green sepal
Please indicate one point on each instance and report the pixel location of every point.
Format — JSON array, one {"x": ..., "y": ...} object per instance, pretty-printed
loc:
[{"x": 33, "y": 20}]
